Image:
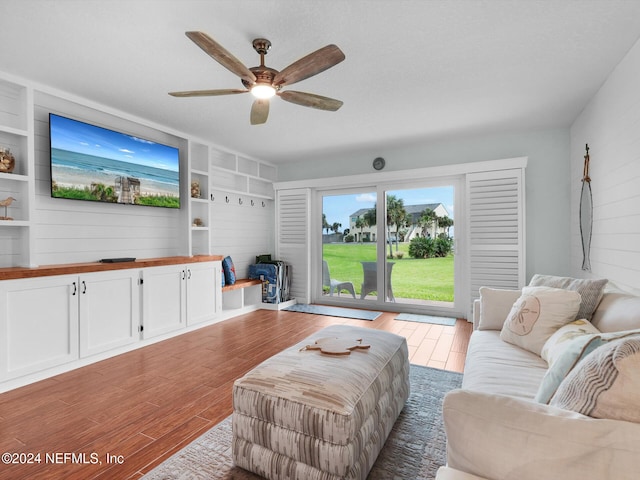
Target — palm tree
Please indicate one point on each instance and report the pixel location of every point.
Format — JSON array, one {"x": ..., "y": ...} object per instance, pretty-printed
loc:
[
  {"x": 335, "y": 227},
  {"x": 325, "y": 224},
  {"x": 360, "y": 223},
  {"x": 427, "y": 220},
  {"x": 396, "y": 215},
  {"x": 445, "y": 222}
]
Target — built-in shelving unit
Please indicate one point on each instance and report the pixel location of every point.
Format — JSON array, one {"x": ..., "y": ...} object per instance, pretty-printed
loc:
[
  {"x": 16, "y": 134},
  {"x": 219, "y": 172}
]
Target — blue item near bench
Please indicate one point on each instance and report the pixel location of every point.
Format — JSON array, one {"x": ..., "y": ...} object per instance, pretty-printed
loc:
[{"x": 229, "y": 271}]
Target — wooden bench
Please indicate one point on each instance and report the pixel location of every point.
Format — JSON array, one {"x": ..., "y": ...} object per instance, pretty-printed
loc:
[{"x": 241, "y": 283}]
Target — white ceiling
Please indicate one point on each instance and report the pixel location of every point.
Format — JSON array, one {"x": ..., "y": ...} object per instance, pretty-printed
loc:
[{"x": 415, "y": 70}]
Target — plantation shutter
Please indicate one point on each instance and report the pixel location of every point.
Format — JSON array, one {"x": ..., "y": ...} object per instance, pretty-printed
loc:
[
  {"x": 496, "y": 223},
  {"x": 293, "y": 238}
]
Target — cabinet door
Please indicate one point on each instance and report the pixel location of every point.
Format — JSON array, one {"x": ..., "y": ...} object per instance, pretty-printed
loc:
[
  {"x": 204, "y": 291},
  {"x": 109, "y": 310},
  {"x": 38, "y": 324},
  {"x": 163, "y": 299}
]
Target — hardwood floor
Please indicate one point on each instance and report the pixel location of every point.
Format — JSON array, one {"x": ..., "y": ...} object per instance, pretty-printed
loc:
[{"x": 121, "y": 417}]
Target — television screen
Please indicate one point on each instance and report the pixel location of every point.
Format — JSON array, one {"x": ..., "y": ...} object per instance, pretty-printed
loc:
[{"x": 93, "y": 163}]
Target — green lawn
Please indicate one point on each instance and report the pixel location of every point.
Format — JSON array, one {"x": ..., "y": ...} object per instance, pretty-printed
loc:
[{"x": 423, "y": 279}]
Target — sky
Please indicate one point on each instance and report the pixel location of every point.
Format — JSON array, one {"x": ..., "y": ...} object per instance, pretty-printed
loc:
[
  {"x": 338, "y": 208},
  {"x": 75, "y": 136}
]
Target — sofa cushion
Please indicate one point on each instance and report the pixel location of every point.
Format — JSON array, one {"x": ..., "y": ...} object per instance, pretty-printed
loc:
[
  {"x": 617, "y": 311},
  {"x": 606, "y": 384},
  {"x": 495, "y": 305},
  {"x": 590, "y": 290},
  {"x": 555, "y": 347},
  {"x": 494, "y": 366},
  {"x": 537, "y": 314},
  {"x": 574, "y": 351}
]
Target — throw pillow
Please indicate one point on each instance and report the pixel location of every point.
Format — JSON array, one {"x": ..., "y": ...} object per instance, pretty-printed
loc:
[
  {"x": 229, "y": 271},
  {"x": 591, "y": 291},
  {"x": 562, "y": 363},
  {"x": 495, "y": 305},
  {"x": 559, "y": 341},
  {"x": 538, "y": 314},
  {"x": 606, "y": 384}
]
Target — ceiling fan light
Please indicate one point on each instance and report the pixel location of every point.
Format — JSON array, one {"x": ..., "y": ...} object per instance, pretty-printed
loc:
[{"x": 263, "y": 91}]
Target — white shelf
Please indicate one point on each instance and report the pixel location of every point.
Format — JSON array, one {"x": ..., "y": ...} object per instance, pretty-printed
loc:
[
  {"x": 16, "y": 134},
  {"x": 14, "y": 177}
]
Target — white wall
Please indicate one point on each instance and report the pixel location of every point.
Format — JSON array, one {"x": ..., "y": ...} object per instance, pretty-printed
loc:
[
  {"x": 71, "y": 231},
  {"x": 610, "y": 124},
  {"x": 547, "y": 181},
  {"x": 242, "y": 230}
]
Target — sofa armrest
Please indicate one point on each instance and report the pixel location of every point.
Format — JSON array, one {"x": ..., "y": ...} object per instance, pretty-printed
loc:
[
  {"x": 501, "y": 437},
  {"x": 476, "y": 313}
]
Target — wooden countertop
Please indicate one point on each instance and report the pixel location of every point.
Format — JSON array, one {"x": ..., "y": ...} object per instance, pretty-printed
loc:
[{"x": 14, "y": 273}]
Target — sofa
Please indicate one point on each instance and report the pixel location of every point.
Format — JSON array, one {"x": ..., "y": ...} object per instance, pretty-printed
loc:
[{"x": 528, "y": 407}]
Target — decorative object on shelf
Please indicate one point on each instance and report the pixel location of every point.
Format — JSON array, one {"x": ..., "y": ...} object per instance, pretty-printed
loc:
[
  {"x": 195, "y": 189},
  {"x": 5, "y": 203},
  {"x": 378, "y": 163},
  {"x": 197, "y": 222},
  {"x": 586, "y": 213},
  {"x": 7, "y": 160}
]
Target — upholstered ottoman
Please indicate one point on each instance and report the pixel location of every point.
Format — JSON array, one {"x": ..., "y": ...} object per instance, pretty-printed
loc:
[{"x": 306, "y": 415}]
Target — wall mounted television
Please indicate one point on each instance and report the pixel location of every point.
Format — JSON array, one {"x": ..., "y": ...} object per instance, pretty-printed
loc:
[{"x": 89, "y": 162}]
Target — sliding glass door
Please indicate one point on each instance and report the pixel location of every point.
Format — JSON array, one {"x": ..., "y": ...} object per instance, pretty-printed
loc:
[
  {"x": 349, "y": 239},
  {"x": 400, "y": 256},
  {"x": 419, "y": 232}
]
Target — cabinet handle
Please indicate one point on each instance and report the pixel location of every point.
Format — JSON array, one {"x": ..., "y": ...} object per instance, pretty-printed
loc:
[
  {"x": 189, "y": 273},
  {"x": 84, "y": 287},
  {"x": 75, "y": 289},
  {"x": 184, "y": 274}
]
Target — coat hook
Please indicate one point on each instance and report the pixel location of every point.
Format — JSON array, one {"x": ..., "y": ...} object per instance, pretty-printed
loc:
[
  {"x": 212, "y": 197},
  {"x": 263, "y": 203},
  {"x": 252, "y": 202},
  {"x": 226, "y": 199},
  {"x": 240, "y": 201}
]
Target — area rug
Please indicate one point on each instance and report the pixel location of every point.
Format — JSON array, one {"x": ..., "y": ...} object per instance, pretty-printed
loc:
[
  {"x": 415, "y": 449},
  {"x": 333, "y": 311},
  {"x": 410, "y": 317}
]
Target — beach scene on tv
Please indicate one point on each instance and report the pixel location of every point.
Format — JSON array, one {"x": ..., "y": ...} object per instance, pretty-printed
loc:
[{"x": 93, "y": 163}]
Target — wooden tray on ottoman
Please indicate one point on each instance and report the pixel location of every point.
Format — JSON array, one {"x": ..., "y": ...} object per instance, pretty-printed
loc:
[{"x": 305, "y": 415}]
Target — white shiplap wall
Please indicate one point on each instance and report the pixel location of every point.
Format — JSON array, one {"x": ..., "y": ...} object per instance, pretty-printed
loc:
[
  {"x": 69, "y": 231},
  {"x": 241, "y": 229},
  {"x": 610, "y": 124}
]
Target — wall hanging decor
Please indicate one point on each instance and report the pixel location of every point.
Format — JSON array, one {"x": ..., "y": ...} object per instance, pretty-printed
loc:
[{"x": 586, "y": 213}]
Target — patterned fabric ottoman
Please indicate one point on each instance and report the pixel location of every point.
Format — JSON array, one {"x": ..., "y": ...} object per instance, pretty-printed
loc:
[{"x": 305, "y": 415}]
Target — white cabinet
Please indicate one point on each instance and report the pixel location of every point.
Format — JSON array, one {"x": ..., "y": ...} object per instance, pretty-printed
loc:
[
  {"x": 177, "y": 296},
  {"x": 204, "y": 295},
  {"x": 109, "y": 310},
  {"x": 38, "y": 324},
  {"x": 49, "y": 321}
]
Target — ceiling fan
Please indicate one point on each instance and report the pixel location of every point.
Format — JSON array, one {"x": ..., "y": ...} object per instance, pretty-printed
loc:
[{"x": 264, "y": 82}]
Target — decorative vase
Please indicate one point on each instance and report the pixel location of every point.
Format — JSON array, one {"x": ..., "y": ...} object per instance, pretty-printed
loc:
[{"x": 7, "y": 160}]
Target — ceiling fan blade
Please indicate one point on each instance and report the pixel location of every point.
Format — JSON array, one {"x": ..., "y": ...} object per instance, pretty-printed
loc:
[
  {"x": 208, "y": 93},
  {"x": 311, "y": 100},
  {"x": 259, "y": 111},
  {"x": 221, "y": 55},
  {"x": 312, "y": 64}
]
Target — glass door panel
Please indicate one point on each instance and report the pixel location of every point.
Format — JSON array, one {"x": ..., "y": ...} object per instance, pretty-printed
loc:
[
  {"x": 419, "y": 246},
  {"x": 349, "y": 236}
]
